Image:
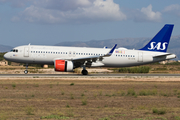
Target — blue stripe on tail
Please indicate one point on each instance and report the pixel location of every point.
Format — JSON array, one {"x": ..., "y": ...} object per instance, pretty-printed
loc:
[{"x": 160, "y": 42}]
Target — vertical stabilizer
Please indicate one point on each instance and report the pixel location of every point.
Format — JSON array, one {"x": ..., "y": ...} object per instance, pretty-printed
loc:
[{"x": 160, "y": 41}]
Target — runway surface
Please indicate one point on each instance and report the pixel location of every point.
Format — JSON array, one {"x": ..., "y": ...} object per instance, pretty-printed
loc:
[{"x": 90, "y": 75}]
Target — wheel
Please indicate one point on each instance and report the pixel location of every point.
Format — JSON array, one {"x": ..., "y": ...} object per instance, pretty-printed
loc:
[
  {"x": 26, "y": 71},
  {"x": 84, "y": 72}
]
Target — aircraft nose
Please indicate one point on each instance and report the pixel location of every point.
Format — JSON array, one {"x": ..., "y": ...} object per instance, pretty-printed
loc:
[{"x": 6, "y": 56}]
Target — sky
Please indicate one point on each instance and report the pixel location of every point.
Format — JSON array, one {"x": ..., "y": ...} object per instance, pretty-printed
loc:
[{"x": 48, "y": 22}]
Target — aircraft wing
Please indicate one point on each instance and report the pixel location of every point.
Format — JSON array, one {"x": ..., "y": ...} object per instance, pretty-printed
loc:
[
  {"x": 86, "y": 58},
  {"x": 97, "y": 56}
]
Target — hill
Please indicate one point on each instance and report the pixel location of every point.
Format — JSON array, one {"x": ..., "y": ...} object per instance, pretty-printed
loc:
[{"x": 5, "y": 48}]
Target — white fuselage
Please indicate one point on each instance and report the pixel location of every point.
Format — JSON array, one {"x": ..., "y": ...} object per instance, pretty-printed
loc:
[{"x": 121, "y": 57}]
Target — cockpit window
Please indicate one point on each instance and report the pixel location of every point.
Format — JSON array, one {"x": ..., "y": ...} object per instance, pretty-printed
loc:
[{"x": 14, "y": 50}]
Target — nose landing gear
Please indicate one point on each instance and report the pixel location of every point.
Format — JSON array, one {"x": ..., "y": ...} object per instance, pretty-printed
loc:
[{"x": 26, "y": 71}]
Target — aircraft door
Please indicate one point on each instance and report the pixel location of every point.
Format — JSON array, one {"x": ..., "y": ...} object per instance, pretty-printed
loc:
[
  {"x": 26, "y": 51},
  {"x": 140, "y": 57}
]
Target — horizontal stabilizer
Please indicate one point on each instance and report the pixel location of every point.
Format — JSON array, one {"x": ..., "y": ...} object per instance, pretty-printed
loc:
[
  {"x": 165, "y": 56},
  {"x": 161, "y": 55}
]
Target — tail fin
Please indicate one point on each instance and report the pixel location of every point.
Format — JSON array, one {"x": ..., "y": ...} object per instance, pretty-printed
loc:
[{"x": 160, "y": 42}]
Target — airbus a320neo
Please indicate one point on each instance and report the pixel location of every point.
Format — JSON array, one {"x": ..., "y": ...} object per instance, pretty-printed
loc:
[{"x": 66, "y": 59}]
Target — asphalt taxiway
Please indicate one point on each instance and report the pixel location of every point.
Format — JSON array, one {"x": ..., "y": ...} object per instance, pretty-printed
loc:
[{"x": 90, "y": 75}]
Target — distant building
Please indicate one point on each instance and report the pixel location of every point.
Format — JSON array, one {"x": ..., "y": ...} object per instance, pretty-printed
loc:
[
  {"x": 3, "y": 63},
  {"x": 168, "y": 61},
  {"x": 45, "y": 66}
]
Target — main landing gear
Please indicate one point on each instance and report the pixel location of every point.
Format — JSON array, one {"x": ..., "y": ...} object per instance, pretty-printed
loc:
[
  {"x": 26, "y": 71},
  {"x": 84, "y": 71}
]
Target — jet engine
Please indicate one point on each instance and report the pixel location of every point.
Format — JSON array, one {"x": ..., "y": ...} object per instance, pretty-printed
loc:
[{"x": 63, "y": 66}]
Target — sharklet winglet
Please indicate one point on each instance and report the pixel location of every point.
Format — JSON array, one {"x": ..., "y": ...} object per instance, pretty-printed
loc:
[{"x": 111, "y": 51}]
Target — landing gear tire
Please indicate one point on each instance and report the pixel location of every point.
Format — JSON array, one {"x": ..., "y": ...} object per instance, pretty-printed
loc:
[
  {"x": 84, "y": 72},
  {"x": 26, "y": 72}
]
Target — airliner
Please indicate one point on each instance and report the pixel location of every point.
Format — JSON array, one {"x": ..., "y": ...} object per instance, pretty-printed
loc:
[{"x": 66, "y": 59}]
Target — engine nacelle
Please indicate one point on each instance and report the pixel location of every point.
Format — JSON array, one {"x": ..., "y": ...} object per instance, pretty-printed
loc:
[{"x": 63, "y": 66}]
